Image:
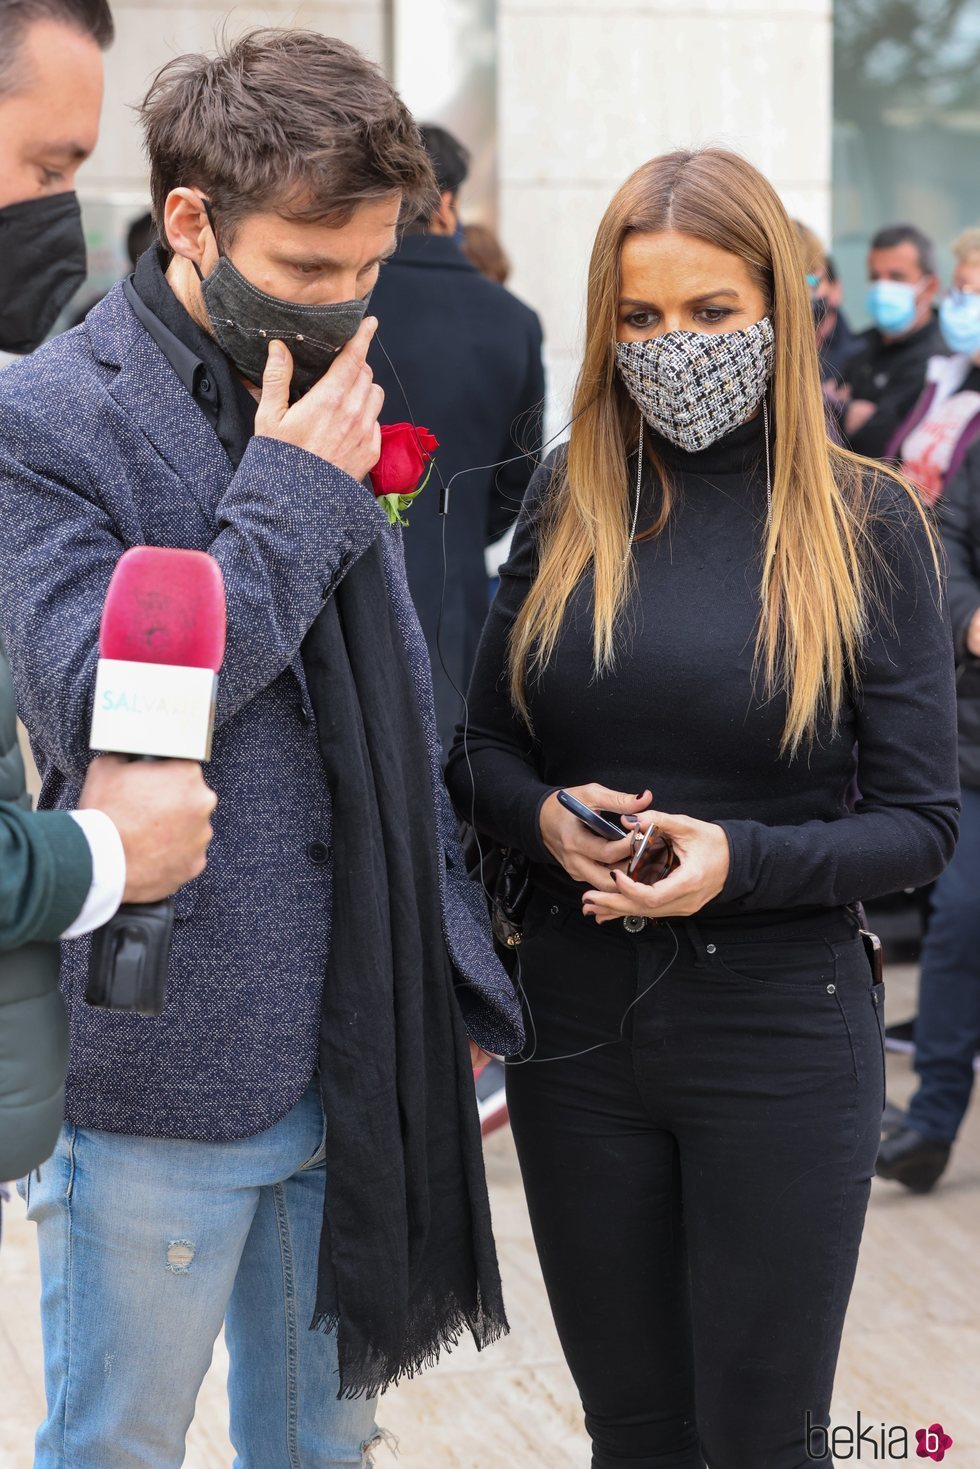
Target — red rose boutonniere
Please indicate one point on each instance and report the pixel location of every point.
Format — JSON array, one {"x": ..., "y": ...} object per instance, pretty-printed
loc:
[{"x": 396, "y": 478}]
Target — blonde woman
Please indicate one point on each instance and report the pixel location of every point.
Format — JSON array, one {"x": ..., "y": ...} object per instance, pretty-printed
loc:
[{"x": 712, "y": 605}]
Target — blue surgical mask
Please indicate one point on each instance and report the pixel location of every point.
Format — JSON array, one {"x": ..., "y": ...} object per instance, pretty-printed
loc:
[
  {"x": 892, "y": 305},
  {"x": 959, "y": 319}
]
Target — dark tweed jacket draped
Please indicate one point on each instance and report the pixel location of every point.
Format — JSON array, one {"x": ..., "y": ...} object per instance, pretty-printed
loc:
[{"x": 101, "y": 448}]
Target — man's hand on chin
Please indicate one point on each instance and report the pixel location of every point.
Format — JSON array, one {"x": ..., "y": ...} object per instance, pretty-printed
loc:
[{"x": 338, "y": 418}]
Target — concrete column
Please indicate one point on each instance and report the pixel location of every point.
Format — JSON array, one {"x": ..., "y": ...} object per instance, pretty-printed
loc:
[
  {"x": 589, "y": 89},
  {"x": 443, "y": 62}
]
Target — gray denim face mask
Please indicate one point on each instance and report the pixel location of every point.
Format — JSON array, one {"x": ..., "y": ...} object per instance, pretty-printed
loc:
[{"x": 245, "y": 320}]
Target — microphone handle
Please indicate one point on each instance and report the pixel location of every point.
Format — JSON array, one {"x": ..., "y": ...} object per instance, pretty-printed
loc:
[
  {"x": 130, "y": 956},
  {"x": 130, "y": 959}
]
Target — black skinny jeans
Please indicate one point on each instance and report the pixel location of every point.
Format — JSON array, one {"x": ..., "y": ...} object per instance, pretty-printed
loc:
[{"x": 698, "y": 1189}]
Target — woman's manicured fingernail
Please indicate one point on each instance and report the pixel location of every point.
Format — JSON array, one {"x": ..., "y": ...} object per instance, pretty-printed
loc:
[{"x": 631, "y": 820}]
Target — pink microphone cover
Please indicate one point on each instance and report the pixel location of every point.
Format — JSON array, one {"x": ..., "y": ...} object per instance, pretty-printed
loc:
[{"x": 165, "y": 606}]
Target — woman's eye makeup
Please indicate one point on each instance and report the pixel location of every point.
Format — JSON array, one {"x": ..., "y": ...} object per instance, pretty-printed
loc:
[{"x": 643, "y": 321}]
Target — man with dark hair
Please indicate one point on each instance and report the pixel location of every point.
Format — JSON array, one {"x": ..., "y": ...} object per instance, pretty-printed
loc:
[
  {"x": 461, "y": 355},
  {"x": 883, "y": 380},
  {"x": 90, "y": 19},
  {"x": 51, "y": 96},
  {"x": 450, "y": 161},
  {"x": 293, "y": 1148},
  {"x": 141, "y": 830}
]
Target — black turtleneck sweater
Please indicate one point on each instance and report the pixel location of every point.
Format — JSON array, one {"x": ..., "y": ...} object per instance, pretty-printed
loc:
[{"x": 683, "y": 714}]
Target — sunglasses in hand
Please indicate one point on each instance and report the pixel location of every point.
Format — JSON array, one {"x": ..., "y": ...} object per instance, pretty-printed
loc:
[{"x": 652, "y": 857}]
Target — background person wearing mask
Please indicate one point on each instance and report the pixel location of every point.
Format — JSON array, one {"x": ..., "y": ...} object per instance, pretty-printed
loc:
[
  {"x": 882, "y": 381},
  {"x": 141, "y": 830},
  {"x": 947, "y": 1028},
  {"x": 931, "y": 443},
  {"x": 461, "y": 355},
  {"x": 836, "y": 343}
]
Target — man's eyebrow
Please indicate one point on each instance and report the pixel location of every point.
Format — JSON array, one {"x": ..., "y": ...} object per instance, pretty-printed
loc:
[
  {"x": 327, "y": 262},
  {"x": 68, "y": 149},
  {"x": 320, "y": 262}
]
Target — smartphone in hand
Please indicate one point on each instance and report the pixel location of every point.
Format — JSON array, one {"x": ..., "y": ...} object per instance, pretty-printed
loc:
[{"x": 590, "y": 818}]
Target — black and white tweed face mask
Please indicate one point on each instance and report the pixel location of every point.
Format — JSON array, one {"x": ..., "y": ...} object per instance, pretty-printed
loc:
[{"x": 695, "y": 387}]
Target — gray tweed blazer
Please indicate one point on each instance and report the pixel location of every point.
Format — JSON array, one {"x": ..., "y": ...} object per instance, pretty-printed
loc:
[{"x": 102, "y": 448}]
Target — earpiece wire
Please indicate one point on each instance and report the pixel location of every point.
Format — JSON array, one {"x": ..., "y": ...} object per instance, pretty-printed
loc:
[{"x": 520, "y": 1060}]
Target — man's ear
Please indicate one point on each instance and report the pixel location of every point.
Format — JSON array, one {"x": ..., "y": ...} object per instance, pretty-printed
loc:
[
  {"x": 445, "y": 217},
  {"x": 186, "y": 228}
]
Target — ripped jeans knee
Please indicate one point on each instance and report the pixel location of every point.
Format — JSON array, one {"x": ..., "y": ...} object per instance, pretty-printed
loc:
[{"x": 371, "y": 1445}]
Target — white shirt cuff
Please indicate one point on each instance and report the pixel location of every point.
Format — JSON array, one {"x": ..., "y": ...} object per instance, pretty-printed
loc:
[{"x": 108, "y": 872}]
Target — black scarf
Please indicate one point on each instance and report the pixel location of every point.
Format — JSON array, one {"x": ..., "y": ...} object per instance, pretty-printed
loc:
[{"x": 407, "y": 1258}]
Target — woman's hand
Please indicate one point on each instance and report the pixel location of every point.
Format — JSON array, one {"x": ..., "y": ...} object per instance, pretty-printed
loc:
[
  {"x": 702, "y": 850},
  {"x": 585, "y": 856}
]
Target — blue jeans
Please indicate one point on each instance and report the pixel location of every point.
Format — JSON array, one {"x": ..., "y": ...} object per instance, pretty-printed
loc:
[
  {"x": 147, "y": 1246},
  {"x": 947, "y": 1028}
]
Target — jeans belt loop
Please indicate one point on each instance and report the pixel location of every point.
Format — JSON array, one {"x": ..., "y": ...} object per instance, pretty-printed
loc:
[{"x": 696, "y": 940}]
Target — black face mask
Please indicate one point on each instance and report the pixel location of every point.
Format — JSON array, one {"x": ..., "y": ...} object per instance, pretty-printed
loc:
[
  {"x": 820, "y": 310},
  {"x": 245, "y": 320},
  {"x": 42, "y": 264}
]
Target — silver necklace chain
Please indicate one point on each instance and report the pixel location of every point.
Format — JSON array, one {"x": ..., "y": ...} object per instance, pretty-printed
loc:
[
  {"x": 639, "y": 470},
  {"x": 639, "y": 481}
]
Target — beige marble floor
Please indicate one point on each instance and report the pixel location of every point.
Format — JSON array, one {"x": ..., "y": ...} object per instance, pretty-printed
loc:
[{"x": 911, "y": 1353}]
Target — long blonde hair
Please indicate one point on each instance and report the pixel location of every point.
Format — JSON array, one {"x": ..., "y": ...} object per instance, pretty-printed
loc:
[{"x": 815, "y": 587}]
